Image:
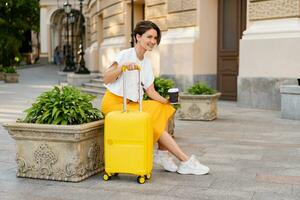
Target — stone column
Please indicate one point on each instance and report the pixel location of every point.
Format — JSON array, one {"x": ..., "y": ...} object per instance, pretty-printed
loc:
[
  {"x": 269, "y": 52},
  {"x": 43, "y": 35}
]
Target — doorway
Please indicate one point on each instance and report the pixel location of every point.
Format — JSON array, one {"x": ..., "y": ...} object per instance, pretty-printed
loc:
[{"x": 231, "y": 24}]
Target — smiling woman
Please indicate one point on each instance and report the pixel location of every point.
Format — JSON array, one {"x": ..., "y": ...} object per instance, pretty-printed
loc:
[{"x": 147, "y": 35}]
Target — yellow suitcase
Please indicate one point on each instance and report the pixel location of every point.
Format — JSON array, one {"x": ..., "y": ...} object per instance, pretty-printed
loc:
[{"x": 128, "y": 142}]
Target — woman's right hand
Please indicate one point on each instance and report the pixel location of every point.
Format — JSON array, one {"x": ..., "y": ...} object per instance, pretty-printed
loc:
[
  {"x": 130, "y": 66},
  {"x": 115, "y": 70}
]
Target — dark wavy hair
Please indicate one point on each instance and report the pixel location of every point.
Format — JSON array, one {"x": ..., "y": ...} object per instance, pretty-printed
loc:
[{"x": 143, "y": 26}]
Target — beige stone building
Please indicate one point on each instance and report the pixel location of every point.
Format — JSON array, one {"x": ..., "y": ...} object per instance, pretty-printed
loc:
[{"x": 245, "y": 48}]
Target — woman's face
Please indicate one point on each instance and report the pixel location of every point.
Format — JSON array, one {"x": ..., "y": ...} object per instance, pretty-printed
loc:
[{"x": 148, "y": 40}]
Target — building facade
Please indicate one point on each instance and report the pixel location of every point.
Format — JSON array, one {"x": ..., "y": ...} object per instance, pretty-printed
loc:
[{"x": 245, "y": 48}]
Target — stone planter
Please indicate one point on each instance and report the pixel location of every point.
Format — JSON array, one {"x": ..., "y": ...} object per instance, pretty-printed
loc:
[
  {"x": 198, "y": 107},
  {"x": 58, "y": 152},
  {"x": 1, "y": 76},
  {"x": 11, "y": 77}
]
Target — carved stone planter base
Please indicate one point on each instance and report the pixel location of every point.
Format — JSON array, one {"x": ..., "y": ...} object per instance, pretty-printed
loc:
[
  {"x": 198, "y": 107},
  {"x": 57, "y": 152},
  {"x": 11, "y": 78},
  {"x": 2, "y": 76},
  {"x": 74, "y": 179}
]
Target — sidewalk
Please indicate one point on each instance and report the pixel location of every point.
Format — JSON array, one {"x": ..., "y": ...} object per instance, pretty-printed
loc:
[{"x": 253, "y": 155}]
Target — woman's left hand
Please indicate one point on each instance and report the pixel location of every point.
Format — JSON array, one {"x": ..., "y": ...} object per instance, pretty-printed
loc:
[{"x": 153, "y": 94}]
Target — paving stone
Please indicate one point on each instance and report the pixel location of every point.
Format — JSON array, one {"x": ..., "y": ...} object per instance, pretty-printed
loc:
[
  {"x": 296, "y": 190},
  {"x": 292, "y": 180},
  {"x": 210, "y": 194},
  {"x": 72, "y": 193},
  {"x": 125, "y": 183},
  {"x": 8, "y": 172},
  {"x": 244, "y": 182},
  {"x": 273, "y": 196},
  {"x": 139, "y": 196}
]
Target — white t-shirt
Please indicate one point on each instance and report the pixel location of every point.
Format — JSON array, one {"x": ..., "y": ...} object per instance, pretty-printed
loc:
[{"x": 147, "y": 77}]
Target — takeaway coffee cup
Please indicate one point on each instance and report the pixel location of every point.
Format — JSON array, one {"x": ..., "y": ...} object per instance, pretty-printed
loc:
[{"x": 173, "y": 94}]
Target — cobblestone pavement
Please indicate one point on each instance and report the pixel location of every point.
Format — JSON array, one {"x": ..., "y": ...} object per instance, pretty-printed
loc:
[{"x": 253, "y": 154}]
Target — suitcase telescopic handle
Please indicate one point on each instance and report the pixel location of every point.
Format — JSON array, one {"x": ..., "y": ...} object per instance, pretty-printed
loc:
[{"x": 124, "y": 69}]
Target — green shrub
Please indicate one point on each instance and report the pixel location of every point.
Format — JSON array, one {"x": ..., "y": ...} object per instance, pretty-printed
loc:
[
  {"x": 200, "y": 88},
  {"x": 1, "y": 69},
  {"x": 65, "y": 106},
  {"x": 162, "y": 86},
  {"x": 10, "y": 70}
]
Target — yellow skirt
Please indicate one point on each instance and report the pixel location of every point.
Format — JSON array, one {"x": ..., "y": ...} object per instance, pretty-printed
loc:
[{"x": 160, "y": 113}]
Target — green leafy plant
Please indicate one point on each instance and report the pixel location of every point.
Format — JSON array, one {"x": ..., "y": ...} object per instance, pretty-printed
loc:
[
  {"x": 10, "y": 70},
  {"x": 162, "y": 86},
  {"x": 65, "y": 106},
  {"x": 201, "y": 88},
  {"x": 1, "y": 69}
]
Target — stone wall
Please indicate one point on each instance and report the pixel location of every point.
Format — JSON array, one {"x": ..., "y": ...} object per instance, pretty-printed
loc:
[
  {"x": 156, "y": 11},
  {"x": 171, "y": 14},
  {"x": 91, "y": 23},
  {"x": 112, "y": 14},
  {"x": 273, "y": 9},
  {"x": 181, "y": 13},
  {"x": 113, "y": 17}
]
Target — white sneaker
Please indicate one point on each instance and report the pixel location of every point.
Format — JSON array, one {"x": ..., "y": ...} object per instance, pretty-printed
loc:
[
  {"x": 164, "y": 159},
  {"x": 192, "y": 166}
]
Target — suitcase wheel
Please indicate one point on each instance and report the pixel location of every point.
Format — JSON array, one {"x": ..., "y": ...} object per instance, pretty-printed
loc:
[
  {"x": 141, "y": 179},
  {"x": 106, "y": 177},
  {"x": 148, "y": 176},
  {"x": 115, "y": 174}
]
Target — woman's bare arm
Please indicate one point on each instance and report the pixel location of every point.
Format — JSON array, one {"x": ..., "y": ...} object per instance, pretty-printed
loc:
[
  {"x": 114, "y": 71},
  {"x": 153, "y": 94}
]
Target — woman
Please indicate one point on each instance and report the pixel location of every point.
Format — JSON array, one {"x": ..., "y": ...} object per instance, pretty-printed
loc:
[
  {"x": 147, "y": 35},
  {"x": 56, "y": 56}
]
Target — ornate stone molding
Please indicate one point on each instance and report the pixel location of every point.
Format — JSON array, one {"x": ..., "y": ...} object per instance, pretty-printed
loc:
[
  {"x": 259, "y": 10},
  {"x": 275, "y": 28},
  {"x": 54, "y": 132},
  {"x": 45, "y": 165}
]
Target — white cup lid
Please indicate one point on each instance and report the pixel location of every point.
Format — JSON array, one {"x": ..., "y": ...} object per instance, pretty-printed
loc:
[{"x": 173, "y": 90}]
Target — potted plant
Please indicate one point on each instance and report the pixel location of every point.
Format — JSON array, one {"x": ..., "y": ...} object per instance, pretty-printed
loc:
[
  {"x": 60, "y": 138},
  {"x": 198, "y": 103},
  {"x": 11, "y": 75},
  {"x": 1, "y": 74},
  {"x": 162, "y": 85}
]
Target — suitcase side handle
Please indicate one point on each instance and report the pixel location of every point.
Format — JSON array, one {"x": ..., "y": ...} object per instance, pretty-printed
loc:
[{"x": 124, "y": 69}]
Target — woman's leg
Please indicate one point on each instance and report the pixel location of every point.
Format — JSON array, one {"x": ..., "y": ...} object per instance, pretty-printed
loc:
[
  {"x": 161, "y": 146},
  {"x": 166, "y": 142}
]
